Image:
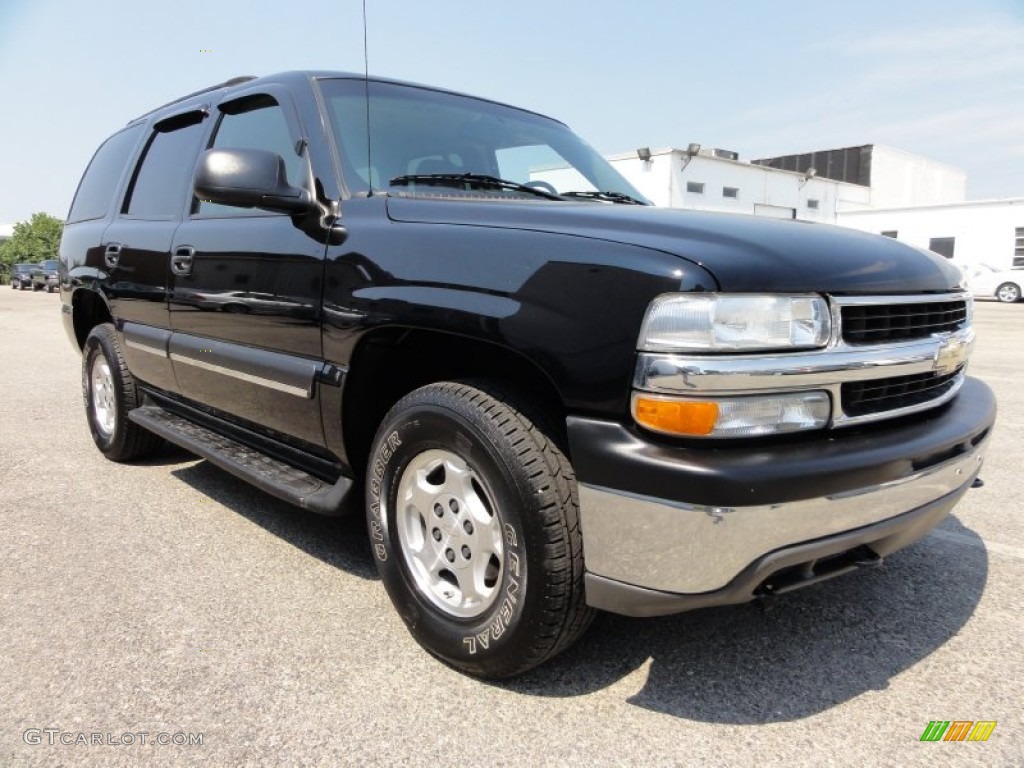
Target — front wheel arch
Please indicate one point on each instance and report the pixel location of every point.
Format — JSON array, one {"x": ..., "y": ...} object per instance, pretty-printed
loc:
[{"x": 389, "y": 363}]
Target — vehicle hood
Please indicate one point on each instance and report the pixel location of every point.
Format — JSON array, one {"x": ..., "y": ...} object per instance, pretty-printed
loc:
[{"x": 744, "y": 253}]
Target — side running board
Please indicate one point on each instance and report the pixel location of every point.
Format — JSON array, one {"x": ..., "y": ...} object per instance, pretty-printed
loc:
[{"x": 265, "y": 472}]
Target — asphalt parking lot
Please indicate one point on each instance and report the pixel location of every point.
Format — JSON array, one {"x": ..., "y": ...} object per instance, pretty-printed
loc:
[{"x": 169, "y": 598}]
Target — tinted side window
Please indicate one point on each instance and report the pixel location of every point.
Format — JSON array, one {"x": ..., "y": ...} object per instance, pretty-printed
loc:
[
  {"x": 158, "y": 188},
  {"x": 261, "y": 124},
  {"x": 99, "y": 184}
]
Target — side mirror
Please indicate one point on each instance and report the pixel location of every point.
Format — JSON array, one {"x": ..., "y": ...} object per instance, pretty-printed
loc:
[{"x": 248, "y": 178}]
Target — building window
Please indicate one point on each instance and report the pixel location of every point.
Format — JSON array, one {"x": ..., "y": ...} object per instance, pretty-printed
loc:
[
  {"x": 697, "y": 187},
  {"x": 942, "y": 246},
  {"x": 890, "y": 233},
  {"x": 733, "y": 192},
  {"x": 812, "y": 204}
]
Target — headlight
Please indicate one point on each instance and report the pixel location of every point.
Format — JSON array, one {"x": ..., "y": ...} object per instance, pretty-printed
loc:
[
  {"x": 744, "y": 416},
  {"x": 709, "y": 322}
]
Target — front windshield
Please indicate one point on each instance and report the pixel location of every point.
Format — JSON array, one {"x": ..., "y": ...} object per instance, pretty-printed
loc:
[{"x": 417, "y": 132}]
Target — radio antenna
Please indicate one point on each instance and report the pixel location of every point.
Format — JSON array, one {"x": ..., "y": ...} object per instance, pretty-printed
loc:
[{"x": 366, "y": 89}]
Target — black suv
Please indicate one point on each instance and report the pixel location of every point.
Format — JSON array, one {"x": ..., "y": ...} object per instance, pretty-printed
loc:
[
  {"x": 21, "y": 275},
  {"x": 546, "y": 395},
  {"x": 44, "y": 276}
]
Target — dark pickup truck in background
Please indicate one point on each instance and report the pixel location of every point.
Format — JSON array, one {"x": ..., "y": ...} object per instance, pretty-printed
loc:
[
  {"x": 21, "y": 275},
  {"x": 546, "y": 396},
  {"x": 44, "y": 276}
]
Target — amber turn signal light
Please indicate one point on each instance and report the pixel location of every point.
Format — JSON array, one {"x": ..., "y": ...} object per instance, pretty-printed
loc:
[{"x": 676, "y": 417}]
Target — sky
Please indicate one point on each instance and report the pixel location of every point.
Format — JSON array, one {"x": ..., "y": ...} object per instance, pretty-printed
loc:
[{"x": 937, "y": 78}]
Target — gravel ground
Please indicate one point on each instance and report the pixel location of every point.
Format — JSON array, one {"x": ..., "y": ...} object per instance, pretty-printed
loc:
[{"x": 169, "y": 598}]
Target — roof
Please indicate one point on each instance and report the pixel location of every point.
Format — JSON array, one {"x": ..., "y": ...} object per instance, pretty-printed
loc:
[{"x": 247, "y": 81}]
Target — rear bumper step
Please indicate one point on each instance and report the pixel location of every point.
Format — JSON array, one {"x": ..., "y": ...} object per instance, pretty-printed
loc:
[{"x": 265, "y": 472}]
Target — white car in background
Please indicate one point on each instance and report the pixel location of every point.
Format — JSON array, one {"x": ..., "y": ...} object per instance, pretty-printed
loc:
[{"x": 986, "y": 282}]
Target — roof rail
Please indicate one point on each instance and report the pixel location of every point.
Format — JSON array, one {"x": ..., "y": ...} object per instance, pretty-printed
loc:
[{"x": 226, "y": 84}]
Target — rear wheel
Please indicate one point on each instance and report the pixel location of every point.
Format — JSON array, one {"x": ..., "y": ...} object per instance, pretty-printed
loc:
[
  {"x": 474, "y": 521},
  {"x": 1008, "y": 293},
  {"x": 110, "y": 393}
]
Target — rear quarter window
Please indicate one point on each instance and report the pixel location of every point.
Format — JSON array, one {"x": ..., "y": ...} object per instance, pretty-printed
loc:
[{"x": 99, "y": 185}]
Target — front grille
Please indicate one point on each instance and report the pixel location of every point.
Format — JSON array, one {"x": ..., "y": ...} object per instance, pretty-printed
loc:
[
  {"x": 879, "y": 323},
  {"x": 861, "y": 398}
]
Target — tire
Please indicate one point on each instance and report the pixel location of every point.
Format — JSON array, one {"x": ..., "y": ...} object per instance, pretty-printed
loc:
[
  {"x": 14, "y": 285},
  {"x": 49, "y": 289},
  {"x": 110, "y": 393},
  {"x": 494, "y": 584},
  {"x": 1008, "y": 293}
]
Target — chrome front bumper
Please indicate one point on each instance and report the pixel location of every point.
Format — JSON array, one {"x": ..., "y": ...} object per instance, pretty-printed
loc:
[{"x": 687, "y": 548}]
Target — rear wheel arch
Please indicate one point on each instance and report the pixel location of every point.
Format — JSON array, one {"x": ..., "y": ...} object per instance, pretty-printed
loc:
[{"x": 88, "y": 309}]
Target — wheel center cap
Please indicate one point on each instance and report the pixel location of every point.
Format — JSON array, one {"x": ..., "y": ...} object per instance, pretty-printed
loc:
[{"x": 454, "y": 544}]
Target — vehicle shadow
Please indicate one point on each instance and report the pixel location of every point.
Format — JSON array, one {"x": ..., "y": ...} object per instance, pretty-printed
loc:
[
  {"x": 786, "y": 659},
  {"x": 166, "y": 455},
  {"x": 770, "y": 661},
  {"x": 341, "y": 542}
]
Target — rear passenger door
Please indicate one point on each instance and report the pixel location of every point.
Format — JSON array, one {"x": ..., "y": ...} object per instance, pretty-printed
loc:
[
  {"x": 136, "y": 246},
  {"x": 245, "y": 291}
]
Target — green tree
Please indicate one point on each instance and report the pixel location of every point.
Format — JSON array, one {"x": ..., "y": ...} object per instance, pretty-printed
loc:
[{"x": 33, "y": 241}]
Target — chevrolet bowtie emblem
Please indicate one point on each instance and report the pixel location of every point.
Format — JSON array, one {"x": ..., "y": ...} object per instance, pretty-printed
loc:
[{"x": 952, "y": 354}]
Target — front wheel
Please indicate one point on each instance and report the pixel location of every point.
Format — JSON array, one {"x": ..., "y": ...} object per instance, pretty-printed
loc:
[
  {"x": 110, "y": 393},
  {"x": 1008, "y": 293},
  {"x": 474, "y": 521}
]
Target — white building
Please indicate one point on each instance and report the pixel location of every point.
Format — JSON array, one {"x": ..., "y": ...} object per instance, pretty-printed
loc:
[
  {"x": 971, "y": 233},
  {"x": 894, "y": 178},
  {"x": 871, "y": 187},
  {"x": 715, "y": 180},
  {"x": 814, "y": 186}
]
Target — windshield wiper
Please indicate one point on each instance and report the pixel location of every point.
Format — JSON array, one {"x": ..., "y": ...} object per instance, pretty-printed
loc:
[
  {"x": 612, "y": 197},
  {"x": 471, "y": 179}
]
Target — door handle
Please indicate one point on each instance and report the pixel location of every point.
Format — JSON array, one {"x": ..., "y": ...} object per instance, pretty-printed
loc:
[
  {"x": 111, "y": 255},
  {"x": 181, "y": 261}
]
